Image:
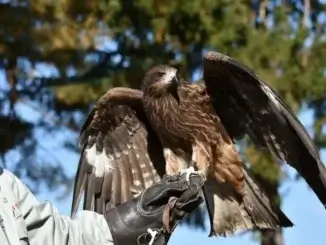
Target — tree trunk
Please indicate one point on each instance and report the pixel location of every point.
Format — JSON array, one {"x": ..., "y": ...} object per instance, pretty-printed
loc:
[
  {"x": 11, "y": 70},
  {"x": 270, "y": 237},
  {"x": 306, "y": 12},
  {"x": 263, "y": 12}
]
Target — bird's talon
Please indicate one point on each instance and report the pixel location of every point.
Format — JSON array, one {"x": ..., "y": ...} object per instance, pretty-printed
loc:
[
  {"x": 188, "y": 172},
  {"x": 170, "y": 177}
]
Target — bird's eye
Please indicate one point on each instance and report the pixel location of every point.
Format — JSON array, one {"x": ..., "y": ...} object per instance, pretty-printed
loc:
[{"x": 161, "y": 74}]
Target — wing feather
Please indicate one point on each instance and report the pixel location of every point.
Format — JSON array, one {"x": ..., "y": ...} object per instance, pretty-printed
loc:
[
  {"x": 116, "y": 161},
  {"x": 247, "y": 105}
]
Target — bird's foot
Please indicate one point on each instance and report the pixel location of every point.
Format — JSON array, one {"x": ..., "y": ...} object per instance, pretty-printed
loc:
[
  {"x": 188, "y": 172},
  {"x": 191, "y": 170}
]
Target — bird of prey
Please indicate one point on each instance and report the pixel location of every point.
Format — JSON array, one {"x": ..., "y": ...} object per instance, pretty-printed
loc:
[{"x": 133, "y": 137}]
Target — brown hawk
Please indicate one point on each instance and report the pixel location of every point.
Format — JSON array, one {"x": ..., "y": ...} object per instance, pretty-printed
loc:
[{"x": 132, "y": 137}]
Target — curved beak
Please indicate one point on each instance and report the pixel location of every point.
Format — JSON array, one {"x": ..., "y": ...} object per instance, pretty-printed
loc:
[
  {"x": 175, "y": 80},
  {"x": 174, "y": 83}
]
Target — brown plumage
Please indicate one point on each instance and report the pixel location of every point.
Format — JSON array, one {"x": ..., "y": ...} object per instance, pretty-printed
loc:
[
  {"x": 132, "y": 137},
  {"x": 121, "y": 156}
]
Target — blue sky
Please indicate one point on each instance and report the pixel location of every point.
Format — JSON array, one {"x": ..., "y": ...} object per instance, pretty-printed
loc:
[{"x": 299, "y": 204}]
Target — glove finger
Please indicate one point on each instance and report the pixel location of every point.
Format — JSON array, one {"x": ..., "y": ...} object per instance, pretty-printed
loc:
[
  {"x": 174, "y": 186},
  {"x": 190, "y": 199},
  {"x": 190, "y": 193},
  {"x": 192, "y": 204},
  {"x": 197, "y": 179},
  {"x": 188, "y": 207},
  {"x": 182, "y": 189},
  {"x": 170, "y": 178},
  {"x": 162, "y": 194}
]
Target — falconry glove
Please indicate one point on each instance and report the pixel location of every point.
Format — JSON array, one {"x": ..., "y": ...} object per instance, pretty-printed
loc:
[{"x": 150, "y": 218}]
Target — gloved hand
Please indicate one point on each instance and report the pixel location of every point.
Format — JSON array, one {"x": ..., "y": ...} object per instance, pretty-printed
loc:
[{"x": 140, "y": 221}]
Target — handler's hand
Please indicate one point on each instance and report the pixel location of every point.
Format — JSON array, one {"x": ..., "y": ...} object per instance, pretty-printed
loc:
[{"x": 150, "y": 218}]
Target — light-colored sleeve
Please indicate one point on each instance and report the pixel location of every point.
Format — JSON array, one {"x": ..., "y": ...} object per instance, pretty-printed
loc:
[{"x": 45, "y": 225}]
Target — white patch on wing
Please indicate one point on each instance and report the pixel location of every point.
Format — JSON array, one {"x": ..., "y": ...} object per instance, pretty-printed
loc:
[
  {"x": 91, "y": 154},
  {"x": 149, "y": 182},
  {"x": 101, "y": 162},
  {"x": 137, "y": 183},
  {"x": 146, "y": 175},
  {"x": 270, "y": 95}
]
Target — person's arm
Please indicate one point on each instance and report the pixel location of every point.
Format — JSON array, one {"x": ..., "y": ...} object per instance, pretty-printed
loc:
[
  {"x": 139, "y": 221},
  {"x": 152, "y": 217},
  {"x": 45, "y": 225}
]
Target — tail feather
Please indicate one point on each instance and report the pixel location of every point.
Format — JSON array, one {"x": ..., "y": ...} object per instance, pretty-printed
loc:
[{"x": 229, "y": 215}]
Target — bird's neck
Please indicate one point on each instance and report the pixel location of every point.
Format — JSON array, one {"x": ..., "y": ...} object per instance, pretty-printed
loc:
[{"x": 156, "y": 92}]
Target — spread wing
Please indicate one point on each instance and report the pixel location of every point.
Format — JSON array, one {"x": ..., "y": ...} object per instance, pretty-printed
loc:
[
  {"x": 118, "y": 151},
  {"x": 247, "y": 105}
]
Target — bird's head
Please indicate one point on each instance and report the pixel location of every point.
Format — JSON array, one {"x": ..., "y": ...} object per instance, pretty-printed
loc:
[{"x": 160, "y": 79}]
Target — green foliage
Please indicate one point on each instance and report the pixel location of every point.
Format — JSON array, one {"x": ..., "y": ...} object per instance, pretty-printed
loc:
[{"x": 283, "y": 41}]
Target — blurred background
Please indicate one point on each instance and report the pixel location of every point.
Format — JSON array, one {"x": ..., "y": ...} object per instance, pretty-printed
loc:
[{"x": 58, "y": 57}]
